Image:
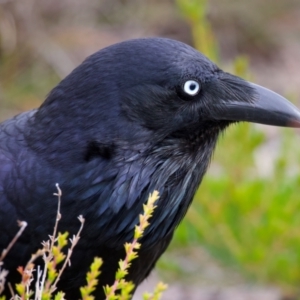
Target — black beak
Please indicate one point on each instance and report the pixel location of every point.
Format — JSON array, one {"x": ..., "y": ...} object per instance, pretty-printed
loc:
[{"x": 265, "y": 107}]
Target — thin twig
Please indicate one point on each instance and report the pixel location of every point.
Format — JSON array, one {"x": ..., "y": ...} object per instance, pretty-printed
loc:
[
  {"x": 38, "y": 291},
  {"x": 73, "y": 241},
  {"x": 38, "y": 253},
  {"x": 3, "y": 274},
  {"x": 11, "y": 290},
  {"x": 58, "y": 215},
  {"x": 23, "y": 225},
  {"x": 49, "y": 248}
]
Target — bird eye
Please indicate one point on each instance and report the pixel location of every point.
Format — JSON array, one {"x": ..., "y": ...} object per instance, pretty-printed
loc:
[{"x": 191, "y": 87}]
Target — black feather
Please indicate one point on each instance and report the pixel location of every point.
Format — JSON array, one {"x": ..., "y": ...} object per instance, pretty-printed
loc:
[{"x": 113, "y": 131}]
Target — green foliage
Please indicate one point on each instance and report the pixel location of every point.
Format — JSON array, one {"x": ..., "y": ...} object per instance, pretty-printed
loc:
[
  {"x": 195, "y": 13},
  {"x": 122, "y": 289},
  {"x": 52, "y": 253},
  {"x": 246, "y": 219},
  {"x": 243, "y": 218},
  {"x": 91, "y": 279},
  {"x": 160, "y": 287}
]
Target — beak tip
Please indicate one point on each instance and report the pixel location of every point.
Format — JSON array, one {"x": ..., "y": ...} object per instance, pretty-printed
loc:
[
  {"x": 280, "y": 111},
  {"x": 294, "y": 123}
]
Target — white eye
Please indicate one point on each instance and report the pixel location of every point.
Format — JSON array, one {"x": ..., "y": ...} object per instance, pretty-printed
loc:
[{"x": 191, "y": 87}]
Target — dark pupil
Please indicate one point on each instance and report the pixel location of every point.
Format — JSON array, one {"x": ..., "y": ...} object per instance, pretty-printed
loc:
[{"x": 193, "y": 86}]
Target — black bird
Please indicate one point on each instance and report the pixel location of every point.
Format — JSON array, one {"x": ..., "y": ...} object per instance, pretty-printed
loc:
[{"x": 137, "y": 116}]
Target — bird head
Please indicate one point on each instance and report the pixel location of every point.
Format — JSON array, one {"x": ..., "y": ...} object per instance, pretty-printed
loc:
[
  {"x": 148, "y": 89},
  {"x": 146, "y": 114}
]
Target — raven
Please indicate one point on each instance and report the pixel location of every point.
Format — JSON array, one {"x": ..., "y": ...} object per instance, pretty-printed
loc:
[{"x": 137, "y": 116}]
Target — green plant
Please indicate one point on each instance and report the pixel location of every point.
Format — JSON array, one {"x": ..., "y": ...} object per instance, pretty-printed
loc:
[
  {"x": 246, "y": 219},
  {"x": 53, "y": 255},
  {"x": 195, "y": 12},
  {"x": 121, "y": 289}
]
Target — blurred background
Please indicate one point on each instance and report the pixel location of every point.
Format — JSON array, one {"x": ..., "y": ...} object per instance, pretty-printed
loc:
[{"x": 241, "y": 237}]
